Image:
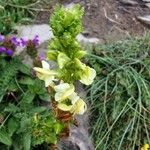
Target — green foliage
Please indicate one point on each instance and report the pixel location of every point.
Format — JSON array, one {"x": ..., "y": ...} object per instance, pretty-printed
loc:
[
  {"x": 46, "y": 129},
  {"x": 14, "y": 12},
  {"x": 22, "y": 96},
  {"x": 120, "y": 95}
]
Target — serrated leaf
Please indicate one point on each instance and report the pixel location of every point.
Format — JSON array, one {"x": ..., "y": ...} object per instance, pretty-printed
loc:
[
  {"x": 45, "y": 97},
  {"x": 24, "y": 124},
  {"x": 26, "y": 81},
  {"x": 27, "y": 141},
  {"x": 28, "y": 97},
  {"x": 38, "y": 110},
  {"x": 12, "y": 126},
  {"x": 25, "y": 69},
  {"x": 11, "y": 108},
  {"x": 5, "y": 137}
]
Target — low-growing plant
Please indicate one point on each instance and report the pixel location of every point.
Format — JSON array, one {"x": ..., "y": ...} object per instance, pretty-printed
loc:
[
  {"x": 22, "y": 99},
  {"x": 120, "y": 95}
]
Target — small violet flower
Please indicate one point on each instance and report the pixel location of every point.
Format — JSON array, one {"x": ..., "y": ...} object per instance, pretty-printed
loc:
[
  {"x": 9, "y": 52},
  {"x": 42, "y": 56},
  {"x": 2, "y": 49},
  {"x": 15, "y": 41},
  {"x": 2, "y": 38},
  {"x": 36, "y": 40},
  {"x": 23, "y": 42}
]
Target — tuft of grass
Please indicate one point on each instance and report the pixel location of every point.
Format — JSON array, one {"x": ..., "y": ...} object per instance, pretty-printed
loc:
[{"x": 120, "y": 95}]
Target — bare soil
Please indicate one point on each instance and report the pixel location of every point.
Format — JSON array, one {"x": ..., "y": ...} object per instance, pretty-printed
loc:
[{"x": 108, "y": 20}]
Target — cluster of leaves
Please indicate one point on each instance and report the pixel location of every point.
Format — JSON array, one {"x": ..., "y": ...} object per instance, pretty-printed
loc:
[
  {"x": 21, "y": 97},
  {"x": 17, "y": 11},
  {"x": 120, "y": 95}
]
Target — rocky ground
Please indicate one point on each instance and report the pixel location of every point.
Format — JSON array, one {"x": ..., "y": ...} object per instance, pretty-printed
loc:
[{"x": 110, "y": 20}]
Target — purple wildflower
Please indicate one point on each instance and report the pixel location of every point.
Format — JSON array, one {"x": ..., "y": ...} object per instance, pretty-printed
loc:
[
  {"x": 2, "y": 38},
  {"x": 9, "y": 52},
  {"x": 42, "y": 56},
  {"x": 2, "y": 49},
  {"x": 23, "y": 42},
  {"x": 36, "y": 40},
  {"x": 15, "y": 41}
]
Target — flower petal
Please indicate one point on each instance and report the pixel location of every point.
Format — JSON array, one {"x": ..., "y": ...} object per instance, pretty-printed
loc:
[
  {"x": 61, "y": 87},
  {"x": 79, "y": 107},
  {"x": 74, "y": 97},
  {"x": 88, "y": 77},
  {"x": 45, "y": 65},
  {"x": 64, "y": 107}
]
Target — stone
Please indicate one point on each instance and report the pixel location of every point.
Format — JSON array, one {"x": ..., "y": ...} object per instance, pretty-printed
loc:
[
  {"x": 81, "y": 38},
  {"x": 29, "y": 31},
  {"x": 147, "y": 1},
  {"x": 147, "y": 5},
  {"x": 129, "y": 2},
  {"x": 145, "y": 19}
]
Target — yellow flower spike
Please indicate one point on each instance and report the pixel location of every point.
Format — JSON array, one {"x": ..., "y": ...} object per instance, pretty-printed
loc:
[
  {"x": 63, "y": 91},
  {"x": 62, "y": 60},
  {"x": 46, "y": 74},
  {"x": 145, "y": 147}
]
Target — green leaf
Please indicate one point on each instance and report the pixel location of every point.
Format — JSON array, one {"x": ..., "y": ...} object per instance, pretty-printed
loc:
[
  {"x": 45, "y": 97},
  {"x": 5, "y": 137},
  {"x": 12, "y": 126},
  {"x": 26, "y": 81},
  {"x": 51, "y": 139},
  {"x": 58, "y": 128},
  {"x": 27, "y": 141},
  {"x": 37, "y": 110},
  {"x": 28, "y": 97},
  {"x": 11, "y": 108},
  {"x": 24, "y": 124},
  {"x": 25, "y": 69}
]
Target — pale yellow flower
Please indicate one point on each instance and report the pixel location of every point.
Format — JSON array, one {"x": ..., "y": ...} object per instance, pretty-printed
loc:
[
  {"x": 79, "y": 107},
  {"x": 68, "y": 100},
  {"x": 145, "y": 147},
  {"x": 88, "y": 74},
  {"x": 46, "y": 74},
  {"x": 63, "y": 91}
]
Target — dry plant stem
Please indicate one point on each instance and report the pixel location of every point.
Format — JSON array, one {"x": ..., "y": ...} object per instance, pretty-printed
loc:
[
  {"x": 53, "y": 147},
  {"x": 111, "y": 20},
  {"x": 62, "y": 116}
]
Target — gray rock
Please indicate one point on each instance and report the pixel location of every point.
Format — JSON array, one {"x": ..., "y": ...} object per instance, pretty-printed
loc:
[
  {"x": 148, "y": 5},
  {"x": 145, "y": 19},
  {"x": 129, "y": 2},
  {"x": 29, "y": 31},
  {"x": 147, "y": 1},
  {"x": 81, "y": 38}
]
